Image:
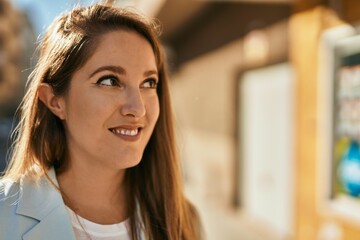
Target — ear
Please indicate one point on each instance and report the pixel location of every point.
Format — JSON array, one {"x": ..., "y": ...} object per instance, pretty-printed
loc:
[{"x": 55, "y": 104}]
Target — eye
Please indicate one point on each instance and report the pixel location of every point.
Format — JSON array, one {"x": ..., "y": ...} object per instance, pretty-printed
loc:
[
  {"x": 108, "y": 81},
  {"x": 150, "y": 83}
]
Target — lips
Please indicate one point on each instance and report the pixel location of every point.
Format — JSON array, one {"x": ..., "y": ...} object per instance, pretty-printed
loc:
[{"x": 127, "y": 132}]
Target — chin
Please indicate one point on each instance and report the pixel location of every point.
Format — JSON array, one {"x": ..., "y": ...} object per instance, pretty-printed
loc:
[{"x": 128, "y": 163}]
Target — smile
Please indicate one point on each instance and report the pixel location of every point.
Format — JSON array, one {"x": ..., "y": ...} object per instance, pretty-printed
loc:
[{"x": 125, "y": 132}]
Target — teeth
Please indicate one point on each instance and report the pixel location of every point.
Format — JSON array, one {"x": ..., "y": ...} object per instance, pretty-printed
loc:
[{"x": 126, "y": 132}]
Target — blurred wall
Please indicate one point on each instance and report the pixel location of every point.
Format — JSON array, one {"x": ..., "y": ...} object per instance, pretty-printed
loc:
[
  {"x": 10, "y": 57},
  {"x": 204, "y": 93},
  {"x": 17, "y": 45}
]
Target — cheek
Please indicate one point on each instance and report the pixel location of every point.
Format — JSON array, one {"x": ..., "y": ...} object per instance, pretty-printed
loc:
[
  {"x": 85, "y": 110},
  {"x": 153, "y": 110}
]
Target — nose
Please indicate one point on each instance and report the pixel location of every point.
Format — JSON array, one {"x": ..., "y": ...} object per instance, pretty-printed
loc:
[{"x": 133, "y": 104}]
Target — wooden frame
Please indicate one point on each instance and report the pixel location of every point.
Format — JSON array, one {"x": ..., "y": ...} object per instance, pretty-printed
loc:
[{"x": 338, "y": 128}]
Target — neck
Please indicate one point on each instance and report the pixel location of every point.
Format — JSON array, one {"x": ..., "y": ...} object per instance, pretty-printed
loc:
[{"x": 95, "y": 194}]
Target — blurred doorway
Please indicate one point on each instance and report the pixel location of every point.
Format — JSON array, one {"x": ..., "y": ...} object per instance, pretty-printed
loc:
[{"x": 266, "y": 151}]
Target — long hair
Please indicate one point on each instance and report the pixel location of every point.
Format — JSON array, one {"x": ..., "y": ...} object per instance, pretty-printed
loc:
[{"x": 40, "y": 143}]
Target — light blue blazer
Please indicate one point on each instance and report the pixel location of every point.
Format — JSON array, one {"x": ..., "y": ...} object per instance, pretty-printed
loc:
[{"x": 33, "y": 211}]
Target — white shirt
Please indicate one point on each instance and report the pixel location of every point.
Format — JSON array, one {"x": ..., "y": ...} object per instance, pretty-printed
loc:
[{"x": 87, "y": 230}]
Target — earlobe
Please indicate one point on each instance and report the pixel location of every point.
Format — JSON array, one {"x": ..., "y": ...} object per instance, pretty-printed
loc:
[{"x": 54, "y": 103}]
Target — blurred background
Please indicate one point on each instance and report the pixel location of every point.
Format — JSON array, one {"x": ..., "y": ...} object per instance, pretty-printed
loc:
[{"x": 266, "y": 96}]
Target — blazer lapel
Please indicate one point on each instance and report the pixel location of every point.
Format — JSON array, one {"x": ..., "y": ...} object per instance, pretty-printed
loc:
[
  {"x": 43, "y": 202},
  {"x": 54, "y": 226}
]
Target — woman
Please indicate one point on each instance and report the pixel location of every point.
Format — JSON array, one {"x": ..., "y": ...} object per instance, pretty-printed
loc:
[{"x": 94, "y": 156}]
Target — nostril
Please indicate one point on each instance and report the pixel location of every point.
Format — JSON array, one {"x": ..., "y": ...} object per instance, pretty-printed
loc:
[
  {"x": 134, "y": 106},
  {"x": 133, "y": 113}
]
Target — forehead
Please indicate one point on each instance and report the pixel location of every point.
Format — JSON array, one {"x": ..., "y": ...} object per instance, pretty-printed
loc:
[{"x": 122, "y": 47}]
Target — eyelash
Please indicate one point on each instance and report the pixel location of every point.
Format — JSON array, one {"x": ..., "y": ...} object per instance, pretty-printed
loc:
[
  {"x": 115, "y": 82},
  {"x": 153, "y": 83}
]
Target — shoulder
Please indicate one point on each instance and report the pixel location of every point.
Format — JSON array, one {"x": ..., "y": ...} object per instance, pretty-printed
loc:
[
  {"x": 9, "y": 198},
  {"x": 23, "y": 204},
  {"x": 9, "y": 191}
]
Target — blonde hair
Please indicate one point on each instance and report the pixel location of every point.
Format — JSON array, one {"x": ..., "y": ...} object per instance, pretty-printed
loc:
[{"x": 40, "y": 138}]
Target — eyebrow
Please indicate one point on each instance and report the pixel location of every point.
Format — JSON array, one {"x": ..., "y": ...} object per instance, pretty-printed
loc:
[
  {"x": 151, "y": 72},
  {"x": 115, "y": 69},
  {"x": 120, "y": 70}
]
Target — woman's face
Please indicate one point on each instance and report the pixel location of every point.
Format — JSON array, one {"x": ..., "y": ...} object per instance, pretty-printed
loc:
[{"x": 112, "y": 106}]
